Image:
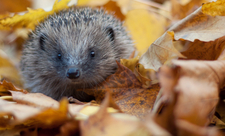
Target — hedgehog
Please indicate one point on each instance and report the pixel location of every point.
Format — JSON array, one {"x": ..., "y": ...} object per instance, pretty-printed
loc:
[{"x": 75, "y": 48}]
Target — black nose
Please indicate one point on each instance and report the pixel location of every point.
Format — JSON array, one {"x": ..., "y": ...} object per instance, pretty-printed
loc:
[{"x": 73, "y": 73}]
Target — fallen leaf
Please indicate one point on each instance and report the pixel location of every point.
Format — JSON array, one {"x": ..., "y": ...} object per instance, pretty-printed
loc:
[
  {"x": 199, "y": 26},
  {"x": 18, "y": 111},
  {"x": 91, "y": 3},
  {"x": 6, "y": 86},
  {"x": 159, "y": 52},
  {"x": 130, "y": 63},
  {"x": 14, "y": 6},
  {"x": 180, "y": 9},
  {"x": 127, "y": 92},
  {"x": 8, "y": 70},
  {"x": 148, "y": 33},
  {"x": 48, "y": 118},
  {"x": 145, "y": 76},
  {"x": 198, "y": 84},
  {"x": 70, "y": 128},
  {"x": 32, "y": 18},
  {"x": 34, "y": 99},
  {"x": 102, "y": 123},
  {"x": 188, "y": 129},
  {"x": 112, "y": 7},
  {"x": 127, "y": 5},
  {"x": 214, "y": 8}
]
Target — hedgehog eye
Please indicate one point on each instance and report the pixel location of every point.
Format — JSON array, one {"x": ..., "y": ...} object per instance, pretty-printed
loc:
[
  {"x": 42, "y": 41},
  {"x": 59, "y": 56},
  {"x": 110, "y": 32},
  {"x": 92, "y": 54}
]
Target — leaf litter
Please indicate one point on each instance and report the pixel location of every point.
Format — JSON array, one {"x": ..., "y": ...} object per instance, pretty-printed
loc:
[{"x": 180, "y": 99}]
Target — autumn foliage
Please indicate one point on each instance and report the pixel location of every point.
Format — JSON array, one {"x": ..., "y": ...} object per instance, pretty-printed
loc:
[{"x": 173, "y": 84}]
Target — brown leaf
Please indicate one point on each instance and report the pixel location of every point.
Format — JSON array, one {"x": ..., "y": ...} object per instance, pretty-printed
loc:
[
  {"x": 18, "y": 111},
  {"x": 198, "y": 84},
  {"x": 201, "y": 35},
  {"x": 6, "y": 86},
  {"x": 159, "y": 52},
  {"x": 188, "y": 129},
  {"x": 204, "y": 50},
  {"x": 199, "y": 26},
  {"x": 168, "y": 119},
  {"x": 180, "y": 11},
  {"x": 111, "y": 6},
  {"x": 14, "y": 6},
  {"x": 145, "y": 76},
  {"x": 34, "y": 99},
  {"x": 127, "y": 92},
  {"x": 42, "y": 101},
  {"x": 102, "y": 123},
  {"x": 70, "y": 128},
  {"x": 48, "y": 118}
]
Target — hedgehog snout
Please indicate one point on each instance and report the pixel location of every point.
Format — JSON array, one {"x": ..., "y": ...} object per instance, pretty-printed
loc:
[{"x": 73, "y": 73}]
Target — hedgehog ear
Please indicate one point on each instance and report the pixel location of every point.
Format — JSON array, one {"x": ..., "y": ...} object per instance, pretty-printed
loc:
[
  {"x": 42, "y": 39},
  {"x": 110, "y": 33}
]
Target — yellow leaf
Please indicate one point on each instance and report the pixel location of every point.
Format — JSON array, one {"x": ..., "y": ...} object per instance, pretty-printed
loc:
[
  {"x": 130, "y": 63},
  {"x": 144, "y": 27},
  {"x": 91, "y": 3},
  {"x": 32, "y": 17},
  {"x": 8, "y": 70},
  {"x": 214, "y": 8}
]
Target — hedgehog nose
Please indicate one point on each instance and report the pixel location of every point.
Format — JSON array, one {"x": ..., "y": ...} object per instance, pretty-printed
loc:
[{"x": 73, "y": 73}]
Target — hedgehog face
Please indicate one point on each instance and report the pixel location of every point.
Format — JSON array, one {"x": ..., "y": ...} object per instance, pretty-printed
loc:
[
  {"x": 83, "y": 60},
  {"x": 75, "y": 48}
]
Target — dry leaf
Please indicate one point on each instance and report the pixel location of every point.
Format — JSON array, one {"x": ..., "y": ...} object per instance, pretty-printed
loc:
[
  {"x": 199, "y": 26},
  {"x": 32, "y": 18},
  {"x": 102, "y": 123},
  {"x": 145, "y": 76},
  {"x": 198, "y": 84},
  {"x": 14, "y": 6},
  {"x": 8, "y": 70},
  {"x": 180, "y": 10},
  {"x": 214, "y": 8},
  {"x": 48, "y": 118},
  {"x": 130, "y": 63},
  {"x": 34, "y": 99},
  {"x": 70, "y": 129},
  {"x": 197, "y": 29},
  {"x": 91, "y": 3},
  {"x": 6, "y": 86},
  {"x": 127, "y": 5},
  {"x": 127, "y": 92},
  {"x": 159, "y": 52},
  {"x": 152, "y": 26},
  {"x": 112, "y": 7},
  {"x": 188, "y": 129},
  {"x": 18, "y": 111}
]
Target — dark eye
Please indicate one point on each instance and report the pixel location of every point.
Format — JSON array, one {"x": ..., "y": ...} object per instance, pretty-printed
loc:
[
  {"x": 92, "y": 54},
  {"x": 59, "y": 56}
]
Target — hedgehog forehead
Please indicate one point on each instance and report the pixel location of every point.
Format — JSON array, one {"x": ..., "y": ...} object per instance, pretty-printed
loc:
[{"x": 76, "y": 41}]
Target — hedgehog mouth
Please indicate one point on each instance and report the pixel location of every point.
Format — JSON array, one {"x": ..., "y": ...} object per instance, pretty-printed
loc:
[{"x": 81, "y": 84}]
